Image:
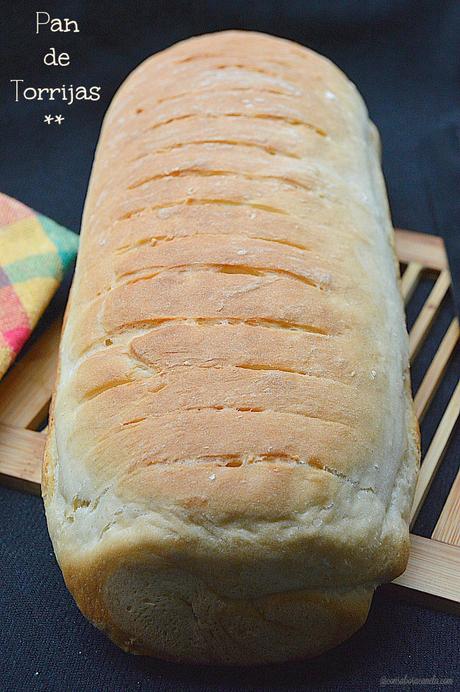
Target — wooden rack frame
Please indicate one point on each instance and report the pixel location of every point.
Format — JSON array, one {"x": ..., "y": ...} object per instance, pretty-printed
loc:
[{"x": 433, "y": 572}]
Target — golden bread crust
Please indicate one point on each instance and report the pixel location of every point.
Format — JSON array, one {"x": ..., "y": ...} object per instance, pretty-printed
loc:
[{"x": 233, "y": 449}]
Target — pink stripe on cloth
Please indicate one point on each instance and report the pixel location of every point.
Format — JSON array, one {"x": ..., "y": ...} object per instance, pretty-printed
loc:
[
  {"x": 3, "y": 346},
  {"x": 14, "y": 323},
  {"x": 11, "y": 210},
  {"x": 16, "y": 338}
]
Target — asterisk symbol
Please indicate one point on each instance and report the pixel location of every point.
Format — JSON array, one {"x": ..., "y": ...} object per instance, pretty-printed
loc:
[
  {"x": 48, "y": 119},
  {"x": 58, "y": 119}
]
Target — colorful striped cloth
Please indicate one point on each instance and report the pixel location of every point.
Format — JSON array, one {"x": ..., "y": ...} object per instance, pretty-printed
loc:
[{"x": 34, "y": 254}]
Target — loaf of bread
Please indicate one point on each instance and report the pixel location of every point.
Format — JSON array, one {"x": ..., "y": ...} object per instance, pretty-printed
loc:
[{"x": 232, "y": 447}]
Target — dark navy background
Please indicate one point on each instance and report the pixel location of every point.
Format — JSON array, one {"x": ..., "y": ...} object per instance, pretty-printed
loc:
[{"x": 404, "y": 56}]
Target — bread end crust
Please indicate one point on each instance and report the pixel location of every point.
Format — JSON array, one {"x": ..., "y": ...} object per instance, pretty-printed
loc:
[{"x": 148, "y": 606}]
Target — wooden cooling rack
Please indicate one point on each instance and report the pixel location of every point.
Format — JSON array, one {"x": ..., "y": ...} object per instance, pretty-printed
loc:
[{"x": 433, "y": 572}]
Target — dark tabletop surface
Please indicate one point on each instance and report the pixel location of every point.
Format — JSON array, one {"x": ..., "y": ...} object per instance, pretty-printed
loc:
[{"x": 404, "y": 57}]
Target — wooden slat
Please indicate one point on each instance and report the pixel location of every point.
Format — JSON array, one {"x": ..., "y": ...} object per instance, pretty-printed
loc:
[
  {"x": 434, "y": 565},
  {"x": 410, "y": 279},
  {"x": 436, "y": 452},
  {"x": 427, "y": 314},
  {"x": 433, "y": 568},
  {"x": 447, "y": 528},
  {"x": 21, "y": 453},
  {"x": 26, "y": 390},
  {"x": 427, "y": 250},
  {"x": 435, "y": 372}
]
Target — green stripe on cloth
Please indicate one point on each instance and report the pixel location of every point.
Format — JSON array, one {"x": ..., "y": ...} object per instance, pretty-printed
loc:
[
  {"x": 47, "y": 264},
  {"x": 65, "y": 241}
]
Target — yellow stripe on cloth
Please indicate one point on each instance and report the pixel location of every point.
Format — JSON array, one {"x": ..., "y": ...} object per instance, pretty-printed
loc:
[
  {"x": 34, "y": 293},
  {"x": 5, "y": 355},
  {"x": 20, "y": 238}
]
